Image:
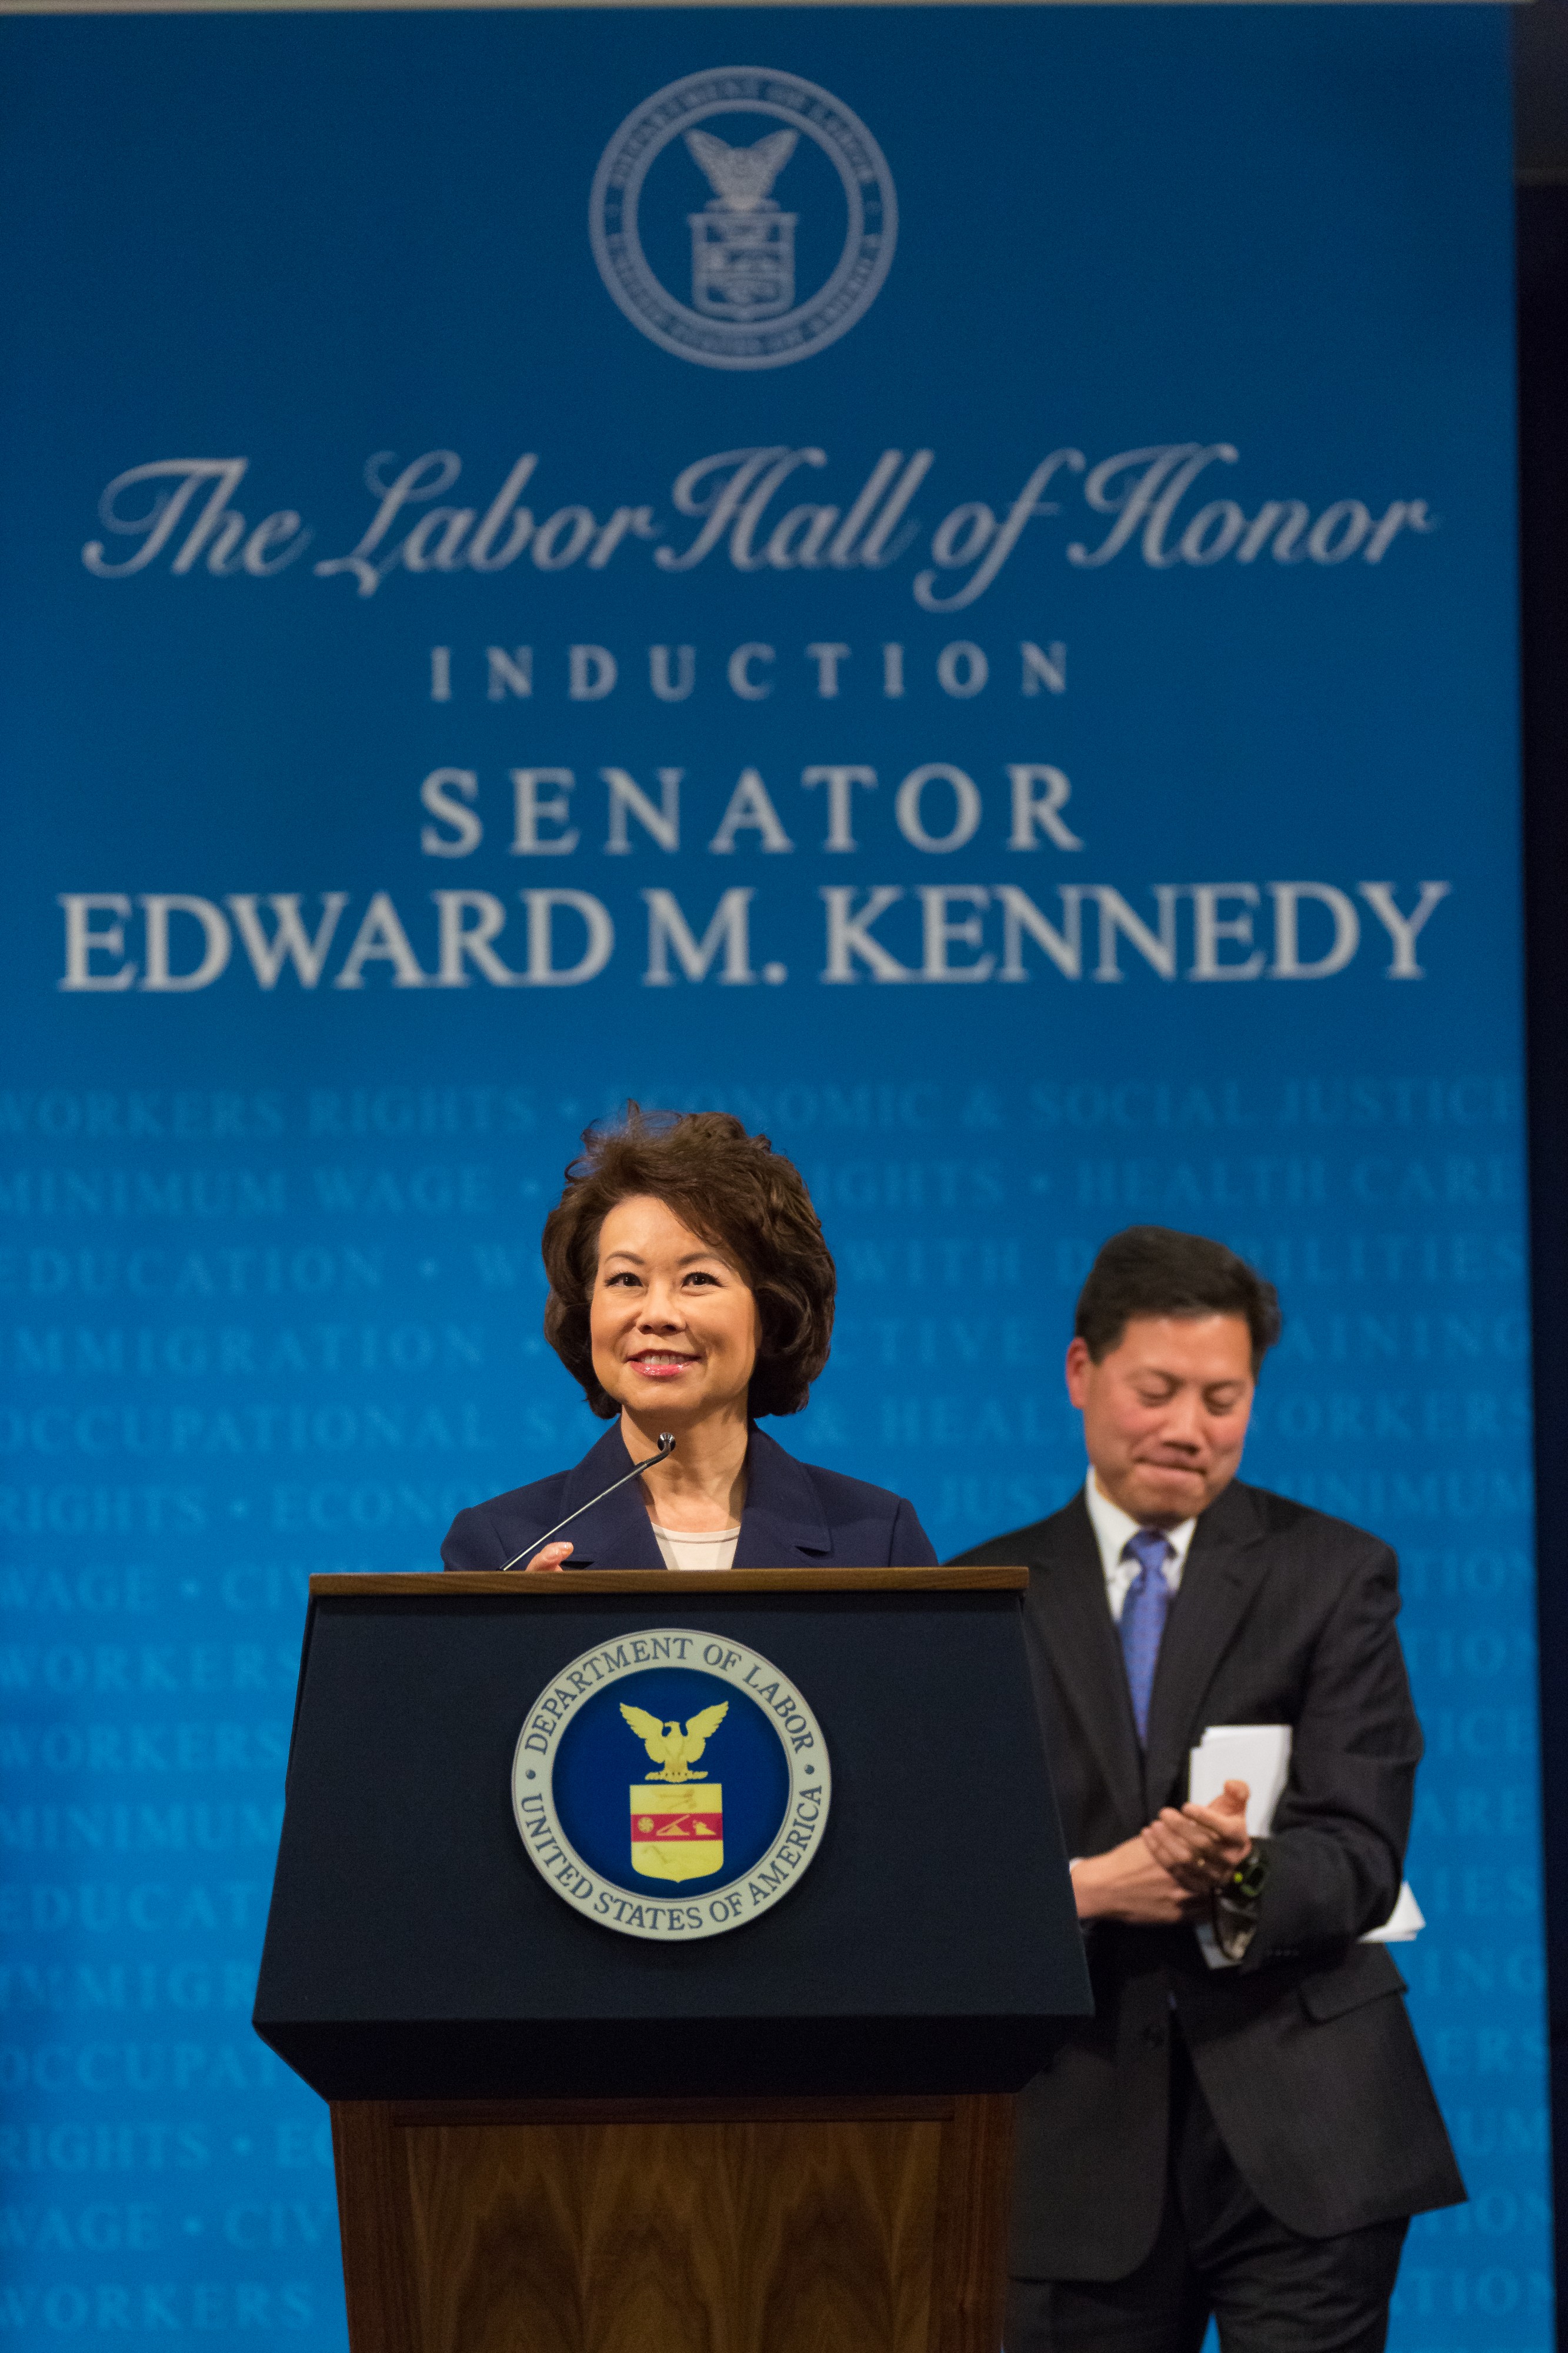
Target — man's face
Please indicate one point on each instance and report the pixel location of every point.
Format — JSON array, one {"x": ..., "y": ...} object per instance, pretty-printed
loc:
[{"x": 1165, "y": 1412}]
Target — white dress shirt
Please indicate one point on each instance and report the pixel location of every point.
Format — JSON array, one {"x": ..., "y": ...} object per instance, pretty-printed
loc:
[
  {"x": 1111, "y": 1529},
  {"x": 1234, "y": 1924}
]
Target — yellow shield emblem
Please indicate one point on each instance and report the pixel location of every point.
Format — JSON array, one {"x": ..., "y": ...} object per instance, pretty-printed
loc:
[{"x": 678, "y": 1833}]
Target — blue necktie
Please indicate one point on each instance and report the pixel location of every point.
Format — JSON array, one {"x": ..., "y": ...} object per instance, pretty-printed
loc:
[{"x": 1143, "y": 1616}]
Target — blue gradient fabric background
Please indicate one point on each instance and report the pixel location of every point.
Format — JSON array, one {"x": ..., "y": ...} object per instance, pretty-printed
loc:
[{"x": 1108, "y": 888}]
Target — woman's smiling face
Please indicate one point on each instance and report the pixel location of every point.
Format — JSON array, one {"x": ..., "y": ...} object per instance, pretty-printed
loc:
[{"x": 672, "y": 1322}]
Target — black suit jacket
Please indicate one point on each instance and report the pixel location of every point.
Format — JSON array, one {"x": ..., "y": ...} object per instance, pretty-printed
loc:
[
  {"x": 1304, "y": 2052},
  {"x": 796, "y": 1516}
]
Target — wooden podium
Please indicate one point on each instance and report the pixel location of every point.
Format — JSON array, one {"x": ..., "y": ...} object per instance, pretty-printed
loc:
[{"x": 554, "y": 2138}]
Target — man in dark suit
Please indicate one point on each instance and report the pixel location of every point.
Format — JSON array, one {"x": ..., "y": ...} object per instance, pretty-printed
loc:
[{"x": 1245, "y": 2126}]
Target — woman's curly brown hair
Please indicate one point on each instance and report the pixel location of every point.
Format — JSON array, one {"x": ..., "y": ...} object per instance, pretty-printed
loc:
[{"x": 735, "y": 1191}]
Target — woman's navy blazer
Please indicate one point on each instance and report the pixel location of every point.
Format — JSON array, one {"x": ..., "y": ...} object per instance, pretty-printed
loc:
[{"x": 796, "y": 1516}]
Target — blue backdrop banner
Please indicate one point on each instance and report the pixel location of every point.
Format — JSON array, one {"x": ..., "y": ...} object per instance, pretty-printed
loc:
[{"x": 939, "y": 579}]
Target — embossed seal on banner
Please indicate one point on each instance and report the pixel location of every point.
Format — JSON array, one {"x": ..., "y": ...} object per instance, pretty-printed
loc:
[
  {"x": 756, "y": 294},
  {"x": 671, "y": 1784}
]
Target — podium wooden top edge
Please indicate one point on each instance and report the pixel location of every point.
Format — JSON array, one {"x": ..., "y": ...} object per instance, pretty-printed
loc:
[{"x": 556, "y": 1584}]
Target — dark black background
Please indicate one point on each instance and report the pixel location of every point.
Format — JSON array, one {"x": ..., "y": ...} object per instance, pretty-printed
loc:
[{"x": 1543, "y": 548}]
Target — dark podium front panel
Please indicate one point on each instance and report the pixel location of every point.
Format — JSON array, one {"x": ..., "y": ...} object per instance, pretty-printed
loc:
[{"x": 414, "y": 1952}]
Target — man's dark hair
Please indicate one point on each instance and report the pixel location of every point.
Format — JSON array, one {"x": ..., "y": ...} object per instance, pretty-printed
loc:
[
  {"x": 1154, "y": 1271},
  {"x": 735, "y": 1191}
]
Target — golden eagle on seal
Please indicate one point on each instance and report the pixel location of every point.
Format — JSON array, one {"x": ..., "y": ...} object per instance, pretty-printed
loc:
[{"x": 671, "y": 1748}]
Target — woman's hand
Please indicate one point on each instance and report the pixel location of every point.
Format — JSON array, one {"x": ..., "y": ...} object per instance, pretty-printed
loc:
[{"x": 552, "y": 1557}]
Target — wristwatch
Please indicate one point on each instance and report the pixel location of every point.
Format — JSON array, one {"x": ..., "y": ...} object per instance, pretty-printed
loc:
[{"x": 1244, "y": 1884}]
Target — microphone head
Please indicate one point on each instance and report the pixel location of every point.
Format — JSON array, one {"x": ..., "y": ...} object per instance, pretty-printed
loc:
[{"x": 666, "y": 1441}]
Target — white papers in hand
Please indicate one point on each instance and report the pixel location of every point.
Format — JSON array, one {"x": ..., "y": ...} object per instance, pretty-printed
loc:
[
  {"x": 1259, "y": 1755},
  {"x": 1403, "y": 1924}
]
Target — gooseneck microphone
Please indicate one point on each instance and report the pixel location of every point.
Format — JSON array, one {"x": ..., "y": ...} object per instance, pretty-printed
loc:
[{"x": 666, "y": 1449}]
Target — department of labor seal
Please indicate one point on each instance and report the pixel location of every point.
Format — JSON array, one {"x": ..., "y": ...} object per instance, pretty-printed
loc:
[
  {"x": 746, "y": 278},
  {"x": 670, "y": 1784}
]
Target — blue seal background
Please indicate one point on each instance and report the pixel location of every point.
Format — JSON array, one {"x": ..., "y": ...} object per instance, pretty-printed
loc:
[
  {"x": 807, "y": 187},
  {"x": 599, "y": 1758}
]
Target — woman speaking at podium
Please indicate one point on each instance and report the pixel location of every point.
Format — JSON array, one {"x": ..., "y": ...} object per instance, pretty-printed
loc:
[{"x": 691, "y": 1291}]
